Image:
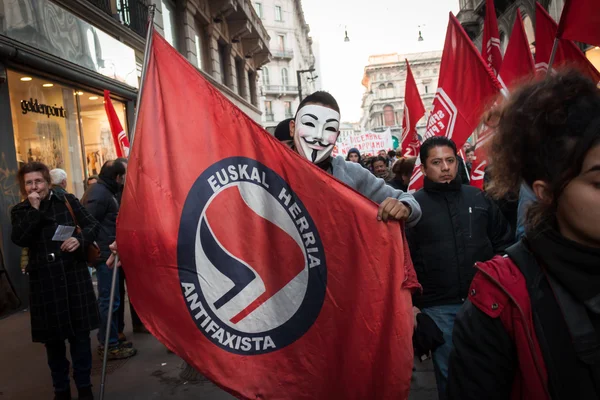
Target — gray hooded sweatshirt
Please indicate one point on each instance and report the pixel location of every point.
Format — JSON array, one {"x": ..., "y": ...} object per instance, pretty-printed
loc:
[{"x": 363, "y": 181}]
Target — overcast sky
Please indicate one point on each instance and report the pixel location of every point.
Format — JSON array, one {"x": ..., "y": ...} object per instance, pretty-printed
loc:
[{"x": 374, "y": 27}]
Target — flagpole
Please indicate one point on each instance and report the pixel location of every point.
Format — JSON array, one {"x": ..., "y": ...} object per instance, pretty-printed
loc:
[
  {"x": 552, "y": 55},
  {"x": 113, "y": 285}
]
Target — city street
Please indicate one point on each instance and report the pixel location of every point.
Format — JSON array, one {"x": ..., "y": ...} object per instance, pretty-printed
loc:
[{"x": 152, "y": 374}]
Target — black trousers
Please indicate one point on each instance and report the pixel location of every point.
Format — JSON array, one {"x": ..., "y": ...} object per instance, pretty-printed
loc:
[
  {"x": 81, "y": 355},
  {"x": 135, "y": 320}
]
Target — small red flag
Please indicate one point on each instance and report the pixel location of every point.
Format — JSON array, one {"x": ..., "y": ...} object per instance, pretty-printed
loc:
[
  {"x": 118, "y": 133},
  {"x": 518, "y": 61},
  {"x": 580, "y": 21},
  {"x": 466, "y": 85},
  {"x": 235, "y": 262},
  {"x": 567, "y": 52},
  {"x": 413, "y": 112},
  {"x": 491, "y": 49}
]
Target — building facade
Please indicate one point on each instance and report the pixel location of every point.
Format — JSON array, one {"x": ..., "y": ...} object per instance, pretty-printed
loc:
[
  {"x": 58, "y": 56},
  {"x": 291, "y": 47},
  {"x": 384, "y": 80}
]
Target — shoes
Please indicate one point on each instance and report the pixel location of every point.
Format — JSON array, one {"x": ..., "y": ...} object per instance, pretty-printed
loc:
[
  {"x": 122, "y": 337},
  {"x": 140, "y": 329},
  {"x": 123, "y": 342},
  {"x": 117, "y": 352},
  {"x": 85, "y": 393},
  {"x": 62, "y": 395}
]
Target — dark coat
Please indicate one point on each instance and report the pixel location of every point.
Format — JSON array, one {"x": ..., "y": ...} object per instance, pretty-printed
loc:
[
  {"x": 460, "y": 225},
  {"x": 62, "y": 299},
  {"x": 101, "y": 202}
]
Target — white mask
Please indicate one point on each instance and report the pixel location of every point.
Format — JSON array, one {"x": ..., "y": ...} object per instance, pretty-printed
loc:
[{"x": 317, "y": 129}]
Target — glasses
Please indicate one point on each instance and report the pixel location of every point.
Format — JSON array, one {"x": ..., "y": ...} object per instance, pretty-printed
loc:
[{"x": 36, "y": 182}]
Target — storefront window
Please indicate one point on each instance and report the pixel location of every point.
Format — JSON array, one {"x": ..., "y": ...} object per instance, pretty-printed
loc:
[{"x": 47, "y": 118}]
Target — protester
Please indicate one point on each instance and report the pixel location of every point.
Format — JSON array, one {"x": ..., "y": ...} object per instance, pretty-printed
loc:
[
  {"x": 530, "y": 329},
  {"x": 59, "y": 180},
  {"x": 469, "y": 158},
  {"x": 402, "y": 170},
  {"x": 62, "y": 304},
  {"x": 354, "y": 156},
  {"x": 101, "y": 201},
  {"x": 460, "y": 225},
  {"x": 282, "y": 132},
  {"x": 315, "y": 131},
  {"x": 391, "y": 156},
  {"x": 91, "y": 180},
  {"x": 381, "y": 170}
]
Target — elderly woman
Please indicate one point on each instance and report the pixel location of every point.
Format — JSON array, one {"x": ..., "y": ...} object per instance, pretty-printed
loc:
[{"x": 62, "y": 301}]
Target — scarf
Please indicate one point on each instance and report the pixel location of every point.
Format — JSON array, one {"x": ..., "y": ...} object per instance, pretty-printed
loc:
[{"x": 575, "y": 266}]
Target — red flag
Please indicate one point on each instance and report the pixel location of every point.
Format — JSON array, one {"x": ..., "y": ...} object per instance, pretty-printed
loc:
[
  {"x": 580, "y": 21},
  {"x": 481, "y": 160},
  {"x": 518, "y": 62},
  {"x": 491, "y": 49},
  {"x": 236, "y": 262},
  {"x": 413, "y": 112},
  {"x": 118, "y": 133},
  {"x": 465, "y": 86},
  {"x": 566, "y": 53}
]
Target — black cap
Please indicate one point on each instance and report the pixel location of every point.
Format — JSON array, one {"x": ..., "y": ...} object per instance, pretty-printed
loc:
[{"x": 282, "y": 132}]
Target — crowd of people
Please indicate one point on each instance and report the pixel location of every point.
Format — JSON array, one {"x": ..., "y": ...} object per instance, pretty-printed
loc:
[{"x": 509, "y": 304}]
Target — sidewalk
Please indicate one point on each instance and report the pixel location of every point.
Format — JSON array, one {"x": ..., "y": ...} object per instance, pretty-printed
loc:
[{"x": 151, "y": 374}]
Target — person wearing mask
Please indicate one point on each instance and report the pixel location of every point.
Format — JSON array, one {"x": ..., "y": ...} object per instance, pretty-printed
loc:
[
  {"x": 354, "y": 156},
  {"x": 402, "y": 170},
  {"x": 531, "y": 326},
  {"x": 59, "y": 180},
  {"x": 62, "y": 303},
  {"x": 460, "y": 226},
  {"x": 315, "y": 130},
  {"x": 101, "y": 200}
]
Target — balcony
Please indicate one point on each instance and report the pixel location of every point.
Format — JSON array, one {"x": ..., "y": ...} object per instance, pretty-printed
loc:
[
  {"x": 131, "y": 13},
  {"x": 280, "y": 90},
  {"x": 270, "y": 117},
  {"x": 282, "y": 54}
]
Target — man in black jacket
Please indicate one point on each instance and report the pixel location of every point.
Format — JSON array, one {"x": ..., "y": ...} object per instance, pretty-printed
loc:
[
  {"x": 459, "y": 226},
  {"x": 101, "y": 200}
]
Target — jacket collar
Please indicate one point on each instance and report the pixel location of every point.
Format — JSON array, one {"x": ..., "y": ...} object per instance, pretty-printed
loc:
[
  {"x": 110, "y": 184},
  {"x": 431, "y": 186}
]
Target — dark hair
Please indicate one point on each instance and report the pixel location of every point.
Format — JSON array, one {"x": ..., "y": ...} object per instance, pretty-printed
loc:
[
  {"x": 391, "y": 153},
  {"x": 404, "y": 166},
  {"x": 379, "y": 158},
  {"x": 111, "y": 169},
  {"x": 122, "y": 160},
  {"x": 435, "y": 141},
  {"x": 282, "y": 131},
  {"x": 469, "y": 150},
  {"x": 543, "y": 133},
  {"x": 32, "y": 167},
  {"x": 322, "y": 98}
]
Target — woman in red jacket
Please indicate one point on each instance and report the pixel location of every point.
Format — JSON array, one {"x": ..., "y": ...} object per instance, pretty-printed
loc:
[{"x": 530, "y": 329}]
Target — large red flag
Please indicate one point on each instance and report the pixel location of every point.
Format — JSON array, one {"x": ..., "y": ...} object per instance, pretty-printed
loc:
[
  {"x": 413, "y": 112},
  {"x": 566, "y": 53},
  {"x": 518, "y": 62},
  {"x": 491, "y": 49},
  {"x": 580, "y": 21},
  {"x": 236, "y": 262},
  {"x": 466, "y": 85},
  {"x": 119, "y": 136}
]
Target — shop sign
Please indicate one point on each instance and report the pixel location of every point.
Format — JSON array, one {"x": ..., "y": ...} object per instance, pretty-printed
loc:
[{"x": 32, "y": 105}]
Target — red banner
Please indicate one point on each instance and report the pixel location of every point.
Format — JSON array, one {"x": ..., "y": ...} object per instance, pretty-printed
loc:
[
  {"x": 466, "y": 86},
  {"x": 491, "y": 47},
  {"x": 580, "y": 21},
  {"x": 119, "y": 136},
  {"x": 235, "y": 262},
  {"x": 481, "y": 160},
  {"x": 518, "y": 61},
  {"x": 413, "y": 112},
  {"x": 566, "y": 53}
]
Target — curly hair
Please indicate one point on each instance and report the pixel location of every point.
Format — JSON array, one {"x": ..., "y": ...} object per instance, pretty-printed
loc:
[{"x": 543, "y": 132}]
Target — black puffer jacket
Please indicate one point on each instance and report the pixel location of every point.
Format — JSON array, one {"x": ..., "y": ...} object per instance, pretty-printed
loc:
[
  {"x": 101, "y": 201},
  {"x": 460, "y": 225}
]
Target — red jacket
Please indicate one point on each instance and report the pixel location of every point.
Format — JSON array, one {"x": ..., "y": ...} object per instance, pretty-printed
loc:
[{"x": 500, "y": 291}]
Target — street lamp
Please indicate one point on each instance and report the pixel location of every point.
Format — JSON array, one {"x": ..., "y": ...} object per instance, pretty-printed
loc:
[
  {"x": 298, "y": 78},
  {"x": 346, "y": 39},
  {"x": 420, "y": 39}
]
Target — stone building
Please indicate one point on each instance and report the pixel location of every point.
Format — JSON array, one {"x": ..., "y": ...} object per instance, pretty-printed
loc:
[
  {"x": 384, "y": 80},
  {"x": 291, "y": 47},
  {"x": 60, "y": 55}
]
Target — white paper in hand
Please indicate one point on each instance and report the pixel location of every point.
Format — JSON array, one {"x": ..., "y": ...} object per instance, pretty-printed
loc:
[{"x": 63, "y": 232}]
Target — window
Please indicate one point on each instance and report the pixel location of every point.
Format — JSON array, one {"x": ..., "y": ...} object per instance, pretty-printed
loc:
[
  {"x": 390, "y": 90},
  {"x": 258, "y": 8},
  {"x": 199, "y": 42},
  {"x": 241, "y": 77},
  {"x": 426, "y": 89},
  {"x": 288, "y": 109},
  {"x": 265, "y": 76},
  {"x": 389, "y": 116},
  {"x": 252, "y": 85},
  {"x": 224, "y": 63},
  {"x": 281, "y": 42},
  {"x": 168, "y": 11},
  {"x": 381, "y": 91},
  {"x": 278, "y": 15},
  {"x": 284, "y": 77},
  {"x": 269, "y": 111}
]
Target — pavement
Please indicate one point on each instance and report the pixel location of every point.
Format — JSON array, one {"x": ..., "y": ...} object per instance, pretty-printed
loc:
[{"x": 152, "y": 374}]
